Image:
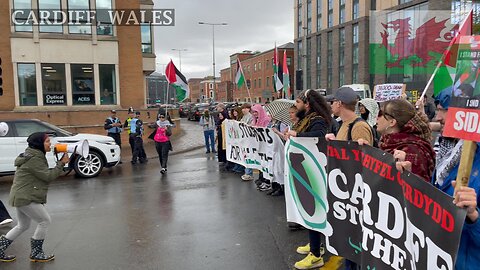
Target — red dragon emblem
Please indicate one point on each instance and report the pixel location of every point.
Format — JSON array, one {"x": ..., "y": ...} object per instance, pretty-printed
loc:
[{"x": 415, "y": 50}]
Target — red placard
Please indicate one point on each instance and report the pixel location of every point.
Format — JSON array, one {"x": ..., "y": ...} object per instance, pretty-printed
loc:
[{"x": 463, "y": 123}]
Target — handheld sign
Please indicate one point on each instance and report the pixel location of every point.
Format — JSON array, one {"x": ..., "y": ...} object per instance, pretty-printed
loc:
[{"x": 386, "y": 92}]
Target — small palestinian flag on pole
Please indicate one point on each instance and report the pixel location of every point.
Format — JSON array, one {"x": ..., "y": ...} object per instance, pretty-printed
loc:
[
  {"x": 276, "y": 71},
  {"x": 286, "y": 76},
  {"x": 178, "y": 81},
  {"x": 239, "y": 77}
]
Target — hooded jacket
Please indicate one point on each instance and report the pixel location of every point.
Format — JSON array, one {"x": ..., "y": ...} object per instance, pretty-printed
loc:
[
  {"x": 412, "y": 139},
  {"x": 263, "y": 119},
  {"x": 32, "y": 178},
  {"x": 372, "y": 107}
]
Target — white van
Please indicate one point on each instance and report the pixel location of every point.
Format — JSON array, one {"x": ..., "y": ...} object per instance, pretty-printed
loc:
[{"x": 363, "y": 90}]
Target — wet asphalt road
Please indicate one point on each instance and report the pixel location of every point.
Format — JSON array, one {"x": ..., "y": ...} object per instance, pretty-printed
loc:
[{"x": 194, "y": 217}]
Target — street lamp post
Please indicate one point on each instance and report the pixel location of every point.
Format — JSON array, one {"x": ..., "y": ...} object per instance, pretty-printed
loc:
[
  {"x": 213, "y": 62},
  {"x": 180, "y": 56}
]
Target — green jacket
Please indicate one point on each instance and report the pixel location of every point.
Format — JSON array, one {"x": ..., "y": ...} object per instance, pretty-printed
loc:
[{"x": 30, "y": 184}]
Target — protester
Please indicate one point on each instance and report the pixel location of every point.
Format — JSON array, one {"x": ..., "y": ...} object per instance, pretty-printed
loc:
[
  {"x": 136, "y": 133},
  {"x": 236, "y": 168},
  {"x": 444, "y": 176},
  {"x": 29, "y": 195},
  {"x": 222, "y": 153},
  {"x": 406, "y": 135},
  {"x": 369, "y": 111},
  {"x": 163, "y": 131},
  {"x": 429, "y": 109},
  {"x": 127, "y": 126},
  {"x": 314, "y": 121},
  {"x": 353, "y": 128},
  {"x": 208, "y": 123},
  {"x": 113, "y": 125},
  {"x": 261, "y": 119},
  {"x": 5, "y": 217},
  {"x": 247, "y": 119}
]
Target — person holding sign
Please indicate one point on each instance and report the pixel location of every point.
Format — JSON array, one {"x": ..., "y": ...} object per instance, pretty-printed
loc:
[
  {"x": 444, "y": 177},
  {"x": 314, "y": 121}
]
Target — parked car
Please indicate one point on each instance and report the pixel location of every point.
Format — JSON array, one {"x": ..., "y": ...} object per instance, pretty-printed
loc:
[
  {"x": 197, "y": 111},
  {"x": 104, "y": 152},
  {"x": 184, "y": 109}
]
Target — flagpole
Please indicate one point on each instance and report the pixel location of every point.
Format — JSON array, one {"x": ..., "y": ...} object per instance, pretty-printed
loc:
[
  {"x": 245, "y": 79},
  {"x": 443, "y": 55}
]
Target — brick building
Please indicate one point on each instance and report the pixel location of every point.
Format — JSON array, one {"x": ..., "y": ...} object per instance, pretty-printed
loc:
[
  {"x": 258, "y": 70},
  {"x": 332, "y": 40},
  {"x": 195, "y": 92},
  {"x": 73, "y": 75},
  {"x": 201, "y": 89}
]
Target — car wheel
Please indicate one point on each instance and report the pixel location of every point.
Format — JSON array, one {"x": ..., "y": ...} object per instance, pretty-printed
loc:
[{"x": 90, "y": 166}]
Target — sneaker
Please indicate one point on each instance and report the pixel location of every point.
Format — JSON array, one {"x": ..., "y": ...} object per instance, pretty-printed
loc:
[
  {"x": 208, "y": 152},
  {"x": 278, "y": 192},
  {"x": 163, "y": 171},
  {"x": 264, "y": 187},
  {"x": 247, "y": 177},
  {"x": 6, "y": 221},
  {"x": 309, "y": 262},
  {"x": 304, "y": 250}
]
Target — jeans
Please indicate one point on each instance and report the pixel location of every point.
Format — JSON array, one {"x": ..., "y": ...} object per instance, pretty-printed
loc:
[
  {"x": 162, "y": 150},
  {"x": 209, "y": 140},
  {"x": 248, "y": 171},
  {"x": 25, "y": 215},
  {"x": 315, "y": 242}
]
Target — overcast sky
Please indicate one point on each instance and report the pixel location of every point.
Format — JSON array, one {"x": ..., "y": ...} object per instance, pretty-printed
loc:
[{"x": 252, "y": 25}]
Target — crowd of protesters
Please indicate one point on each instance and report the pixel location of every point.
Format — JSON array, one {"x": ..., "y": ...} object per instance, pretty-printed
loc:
[{"x": 396, "y": 127}]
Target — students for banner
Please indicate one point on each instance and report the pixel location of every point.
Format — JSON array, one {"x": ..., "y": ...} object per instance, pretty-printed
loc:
[
  {"x": 126, "y": 125},
  {"x": 407, "y": 136},
  {"x": 207, "y": 121},
  {"x": 314, "y": 121},
  {"x": 448, "y": 160},
  {"x": 352, "y": 127},
  {"x": 136, "y": 133},
  {"x": 247, "y": 119}
]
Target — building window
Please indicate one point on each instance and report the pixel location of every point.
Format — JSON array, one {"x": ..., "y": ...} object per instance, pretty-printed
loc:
[
  {"x": 82, "y": 19},
  {"x": 330, "y": 13},
  {"x": 319, "y": 15},
  {"x": 319, "y": 61},
  {"x": 210, "y": 86},
  {"x": 104, "y": 23},
  {"x": 260, "y": 66},
  {"x": 254, "y": 67},
  {"x": 300, "y": 54},
  {"x": 329, "y": 60},
  {"x": 108, "y": 84},
  {"x": 404, "y": 1},
  {"x": 309, "y": 63},
  {"x": 83, "y": 86},
  {"x": 267, "y": 81},
  {"x": 27, "y": 84},
  {"x": 259, "y": 82},
  {"x": 356, "y": 9},
  {"x": 300, "y": 21},
  {"x": 255, "y": 83},
  {"x": 54, "y": 84},
  {"x": 267, "y": 66},
  {"x": 289, "y": 61},
  {"x": 146, "y": 38},
  {"x": 355, "y": 54},
  {"x": 211, "y": 94},
  {"x": 341, "y": 57},
  {"x": 309, "y": 17},
  {"x": 342, "y": 11},
  {"x": 50, "y": 5},
  {"x": 23, "y": 24}
]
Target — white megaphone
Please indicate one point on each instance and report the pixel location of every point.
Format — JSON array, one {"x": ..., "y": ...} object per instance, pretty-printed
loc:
[
  {"x": 81, "y": 148},
  {"x": 3, "y": 129}
]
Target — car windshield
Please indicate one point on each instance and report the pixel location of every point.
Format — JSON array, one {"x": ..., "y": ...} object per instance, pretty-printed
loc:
[{"x": 59, "y": 131}]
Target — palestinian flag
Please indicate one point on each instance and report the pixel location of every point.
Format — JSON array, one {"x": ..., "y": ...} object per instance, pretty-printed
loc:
[
  {"x": 445, "y": 76},
  {"x": 286, "y": 76},
  {"x": 240, "y": 77},
  {"x": 178, "y": 81},
  {"x": 276, "y": 70}
]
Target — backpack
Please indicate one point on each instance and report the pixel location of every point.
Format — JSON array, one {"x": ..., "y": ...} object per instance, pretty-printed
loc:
[{"x": 373, "y": 130}]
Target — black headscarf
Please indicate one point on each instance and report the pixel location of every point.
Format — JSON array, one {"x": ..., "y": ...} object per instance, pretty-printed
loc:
[{"x": 36, "y": 141}]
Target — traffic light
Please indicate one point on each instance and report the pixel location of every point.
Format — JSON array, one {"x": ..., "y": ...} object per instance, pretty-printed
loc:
[{"x": 1, "y": 78}]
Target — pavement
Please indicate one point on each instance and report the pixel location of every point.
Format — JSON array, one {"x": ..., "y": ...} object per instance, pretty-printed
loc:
[{"x": 190, "y": 138}]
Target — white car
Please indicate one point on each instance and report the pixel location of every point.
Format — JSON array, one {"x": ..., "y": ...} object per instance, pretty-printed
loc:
[{"x": 104, "y": 152}]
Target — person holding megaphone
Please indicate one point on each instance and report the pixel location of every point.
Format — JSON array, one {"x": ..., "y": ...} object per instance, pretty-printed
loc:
[{"x": 29, "y": 195}]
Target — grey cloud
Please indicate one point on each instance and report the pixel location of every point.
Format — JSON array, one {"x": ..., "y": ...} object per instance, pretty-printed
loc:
[{"x": 252, "y": 25}]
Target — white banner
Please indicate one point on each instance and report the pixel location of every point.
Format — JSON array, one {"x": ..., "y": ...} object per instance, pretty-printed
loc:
[{"x": 255, "y": 148}]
